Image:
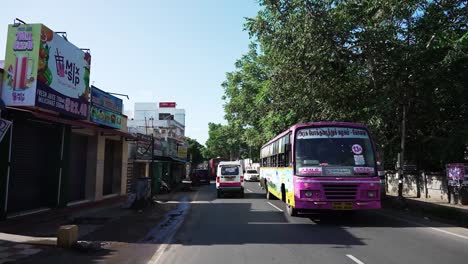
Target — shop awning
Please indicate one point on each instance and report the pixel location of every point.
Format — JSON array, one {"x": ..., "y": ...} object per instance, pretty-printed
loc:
[
  {"x": 163, "y": 158},
  {"x": 179, "y": 160},
  {"x": 76, "y": 123}
]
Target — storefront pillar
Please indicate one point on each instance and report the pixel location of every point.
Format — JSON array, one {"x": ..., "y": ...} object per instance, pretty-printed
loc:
[
  {"x": 123, "y": 182},
  {"x": 64, "y": 173},
  {"x": 99, "y": 179}
]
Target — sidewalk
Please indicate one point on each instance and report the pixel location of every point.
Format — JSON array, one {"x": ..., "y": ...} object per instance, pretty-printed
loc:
[
  {"x": 24, "y": 236},
  {"x": 441, "y": 211},
  {"x": 104, "y": 232}
]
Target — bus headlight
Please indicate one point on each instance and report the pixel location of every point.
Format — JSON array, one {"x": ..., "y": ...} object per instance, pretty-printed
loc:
[
  {"x": 371, "y": 194},
  {"x": 310, "y": 194}
]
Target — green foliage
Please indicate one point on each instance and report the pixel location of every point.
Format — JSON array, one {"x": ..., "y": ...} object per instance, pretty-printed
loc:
[
  {"x": 195, "y": 150},
  {"x": 358, "y": 61}
]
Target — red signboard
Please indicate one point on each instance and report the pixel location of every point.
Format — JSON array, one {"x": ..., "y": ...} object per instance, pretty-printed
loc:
[{"x": 167, "y": 105}]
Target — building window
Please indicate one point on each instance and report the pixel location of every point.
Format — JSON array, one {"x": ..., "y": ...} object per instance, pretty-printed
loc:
[{"x": 166, "y": 116}]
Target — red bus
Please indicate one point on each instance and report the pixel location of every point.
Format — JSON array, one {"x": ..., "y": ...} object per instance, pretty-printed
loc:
[{"x": 213, "y": 165}]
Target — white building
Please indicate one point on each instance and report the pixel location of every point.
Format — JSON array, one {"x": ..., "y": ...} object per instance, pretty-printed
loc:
[{"x": 165, "y": 117}]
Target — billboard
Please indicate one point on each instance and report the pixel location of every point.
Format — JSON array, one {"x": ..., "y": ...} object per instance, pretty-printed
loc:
[
  {"x": 106, "y": 109},
  {"x": 167, "y": 105},
  {"x": 21, "y": 65},
  {"x": 182, "y": 152},
  {"x": 43, "y": 69}
]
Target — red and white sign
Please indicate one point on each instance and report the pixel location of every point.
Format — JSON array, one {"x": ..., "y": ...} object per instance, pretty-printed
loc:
[
  {"x": 357, "y": 149},
  {"x": 167, "y": 105}
]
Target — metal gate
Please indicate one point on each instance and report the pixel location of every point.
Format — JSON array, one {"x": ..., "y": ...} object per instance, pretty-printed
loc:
[
  {"x": 35, "y": 165},
  {"x": 77, "y": 172}
]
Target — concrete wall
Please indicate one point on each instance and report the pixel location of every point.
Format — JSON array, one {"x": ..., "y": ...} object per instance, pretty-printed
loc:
[{"x": 431, "y": 186}]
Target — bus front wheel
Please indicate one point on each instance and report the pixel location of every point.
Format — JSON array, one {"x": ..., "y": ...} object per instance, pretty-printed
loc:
[{"x": 291, "y": 210}]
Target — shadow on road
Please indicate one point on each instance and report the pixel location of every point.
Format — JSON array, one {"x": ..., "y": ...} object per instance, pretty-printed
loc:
[{"x": 214, "y": 224}]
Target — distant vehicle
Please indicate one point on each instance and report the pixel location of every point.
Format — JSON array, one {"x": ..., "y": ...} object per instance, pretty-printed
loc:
[
  {"x": 229, "y": 178},
  {"x": 212, "y": 167},
  {"x": 322, "y": 166},
  {"x": 245, "y": 163},
  {"x": 251, "y": 175},
  {"x": 201, "y": 176}
]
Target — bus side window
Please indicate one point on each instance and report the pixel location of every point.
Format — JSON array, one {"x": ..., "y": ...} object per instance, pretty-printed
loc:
[
  {"x": 287, "y": 155},
  {"x": 281, "y": 162}
]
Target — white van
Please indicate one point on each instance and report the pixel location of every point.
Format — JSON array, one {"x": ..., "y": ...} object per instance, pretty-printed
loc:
[
  {"x": 251, "y": 175},
  {"x": 229, "y": 178}
]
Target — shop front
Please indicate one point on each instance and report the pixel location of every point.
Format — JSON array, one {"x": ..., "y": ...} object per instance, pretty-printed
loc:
[
  {"x": 35, "y": 163},
  {"x": 67, "y": 143},
  {"x": 56, "y": 162}
]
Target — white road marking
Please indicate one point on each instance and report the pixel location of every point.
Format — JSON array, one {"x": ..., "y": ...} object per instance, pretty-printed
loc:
[
  {"x": 276, "y": 207},
  {"x": 248, "y": 190},
  {"x": 179, "y": 202},
  {"x": 353, "y": 258},
  {"x": 419, "y": 224},
  {"x": 165, "y": 245}
]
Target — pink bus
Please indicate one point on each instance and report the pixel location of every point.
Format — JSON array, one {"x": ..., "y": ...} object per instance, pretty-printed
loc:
[{"x": 321, "y": 166}]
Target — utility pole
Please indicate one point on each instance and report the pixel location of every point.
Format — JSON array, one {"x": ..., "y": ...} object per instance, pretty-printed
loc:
[
  {"x": 404, "y": 109},
  {"x": 146, "y": 126},
  {"x": 401, "y": 157},
  {"x": 152, "y": 166}
]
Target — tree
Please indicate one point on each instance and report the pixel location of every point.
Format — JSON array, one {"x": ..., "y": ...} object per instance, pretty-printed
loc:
[
  {"x": 195, "y": 150},
  {"x": 224, "y": 141},
  {"x": 359, "y": 61}
]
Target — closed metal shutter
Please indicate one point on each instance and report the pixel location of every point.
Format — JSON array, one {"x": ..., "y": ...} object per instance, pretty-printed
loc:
[
  {"x": 34, "y": 169},
  {"x": 108, "y": 167},
  {"x": 77, "y": 172}
]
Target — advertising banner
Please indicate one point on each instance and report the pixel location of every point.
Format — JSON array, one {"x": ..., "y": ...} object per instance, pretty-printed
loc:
[
  {"x": 143, "y": 150},
  {"x": 43, "y": 69},
  {"x": 63, "y": 76},
  {"x": 106, "y": 109},
  {"x": 182, "y": 152},
  {"x": 21, "y": 65}
]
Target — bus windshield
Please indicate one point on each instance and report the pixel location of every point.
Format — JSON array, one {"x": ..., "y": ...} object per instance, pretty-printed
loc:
[{"x": 334, "y": 151}]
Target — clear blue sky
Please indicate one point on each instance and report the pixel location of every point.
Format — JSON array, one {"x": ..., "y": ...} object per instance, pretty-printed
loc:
[{"x": 161, "y": 50}]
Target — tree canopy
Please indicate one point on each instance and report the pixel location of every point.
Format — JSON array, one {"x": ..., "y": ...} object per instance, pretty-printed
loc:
[
  {"x": 358, "y": 61},
  {"x": 195, "y": 150}
]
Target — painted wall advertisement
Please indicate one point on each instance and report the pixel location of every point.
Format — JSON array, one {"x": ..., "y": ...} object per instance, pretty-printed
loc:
[
  {"x": 43, "y": 69},
  {"x": 106, "y": 109},
  {"x": 182, "y": 152}
]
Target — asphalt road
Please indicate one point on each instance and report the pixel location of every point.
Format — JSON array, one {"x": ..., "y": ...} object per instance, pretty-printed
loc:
[{"x": 254, "y": 230}]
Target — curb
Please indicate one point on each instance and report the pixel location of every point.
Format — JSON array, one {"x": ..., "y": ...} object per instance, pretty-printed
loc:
[{"x": 450, "y": 215}]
